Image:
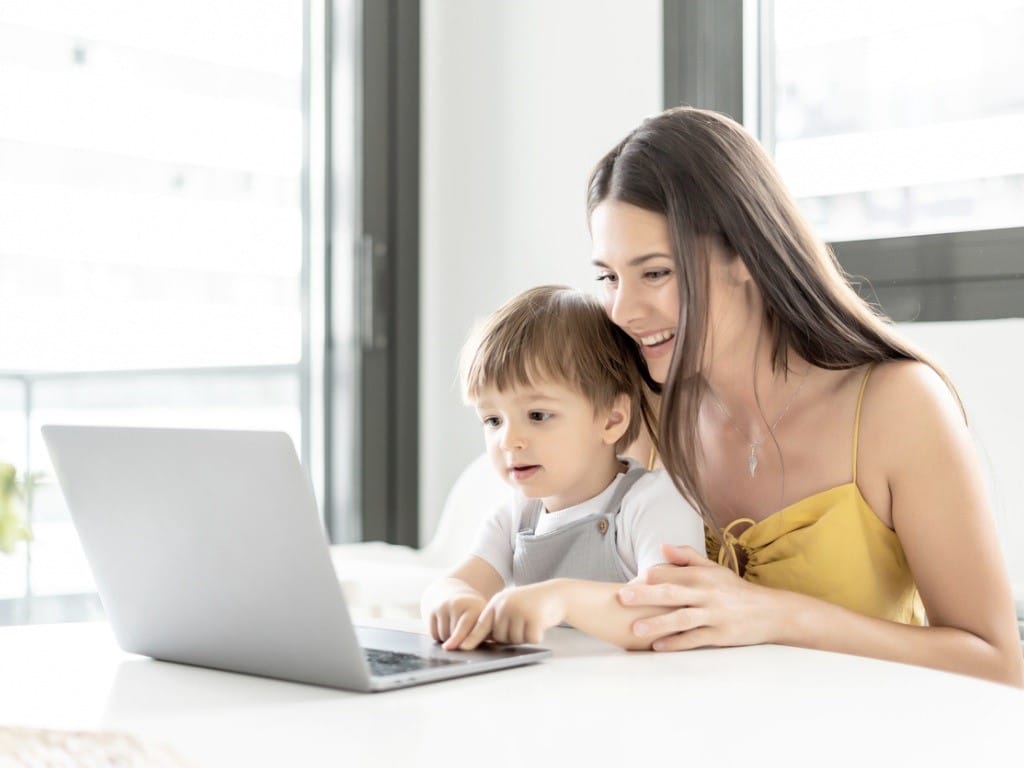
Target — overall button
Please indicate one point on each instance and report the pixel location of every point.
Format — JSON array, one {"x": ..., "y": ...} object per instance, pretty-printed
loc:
[{"x": 602, "y": 526}]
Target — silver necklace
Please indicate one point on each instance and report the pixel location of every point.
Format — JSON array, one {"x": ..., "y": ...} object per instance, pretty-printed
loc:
[{"x": 755, "y": 444}]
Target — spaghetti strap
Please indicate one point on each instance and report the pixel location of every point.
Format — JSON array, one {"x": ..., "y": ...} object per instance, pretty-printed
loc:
[
  {"x": 856, "y": 421},
  {"x": 652, "y": 458}
]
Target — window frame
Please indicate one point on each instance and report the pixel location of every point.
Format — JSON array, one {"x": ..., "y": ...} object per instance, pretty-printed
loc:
[
  {"x": 386, "y": 455},
  {"x": 960, "y": 275}
]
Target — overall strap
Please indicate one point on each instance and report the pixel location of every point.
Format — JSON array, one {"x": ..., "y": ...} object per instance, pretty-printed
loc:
[
  {"x": 856, "y": 419},
  {"x": 622, "y": 489},
  {"x": 531, "y": 514},
  {"x": 534, "y": 508}
]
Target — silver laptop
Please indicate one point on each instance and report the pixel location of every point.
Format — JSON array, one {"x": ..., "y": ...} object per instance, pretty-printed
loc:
[{"x": 207, "y": 549}]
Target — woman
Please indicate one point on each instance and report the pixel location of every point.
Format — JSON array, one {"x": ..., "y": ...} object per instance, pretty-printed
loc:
[{"x": 831, "y": 461}]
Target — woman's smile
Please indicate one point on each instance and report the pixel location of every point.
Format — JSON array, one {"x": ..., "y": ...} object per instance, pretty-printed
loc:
[{"x": 657, "y": 345}]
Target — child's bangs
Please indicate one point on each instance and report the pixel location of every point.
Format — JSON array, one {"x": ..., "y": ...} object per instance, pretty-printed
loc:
[{"x": 519, "y": 363}]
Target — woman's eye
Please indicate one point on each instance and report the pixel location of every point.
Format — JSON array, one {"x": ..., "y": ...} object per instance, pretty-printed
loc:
[
  {"x": 539, "y": 416},
  {"x": 657, "y": 274},
  {"x": 607, "y": 277}
]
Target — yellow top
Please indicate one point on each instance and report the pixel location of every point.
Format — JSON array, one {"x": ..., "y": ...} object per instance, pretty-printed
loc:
[{"x": 830, "y": 545}]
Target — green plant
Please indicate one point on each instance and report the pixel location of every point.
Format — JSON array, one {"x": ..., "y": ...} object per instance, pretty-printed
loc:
[{"x": 13, "y": 494}]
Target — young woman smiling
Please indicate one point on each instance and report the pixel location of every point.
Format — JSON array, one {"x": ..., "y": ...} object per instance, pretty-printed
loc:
[{"x": 831, "y": 461}]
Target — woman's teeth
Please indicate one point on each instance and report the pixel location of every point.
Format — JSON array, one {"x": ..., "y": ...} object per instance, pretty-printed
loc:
[{"x": 656, "y": 338}]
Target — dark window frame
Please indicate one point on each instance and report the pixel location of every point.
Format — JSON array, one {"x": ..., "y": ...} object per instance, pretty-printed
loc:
[{"x": 379, "y": 463}]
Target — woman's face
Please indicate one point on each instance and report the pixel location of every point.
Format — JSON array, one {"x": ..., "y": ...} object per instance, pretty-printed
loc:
[{"x": 633, "y": 257}]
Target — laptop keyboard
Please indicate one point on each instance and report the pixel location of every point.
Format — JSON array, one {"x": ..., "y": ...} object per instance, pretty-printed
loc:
[{"x": 393, "y": 663}]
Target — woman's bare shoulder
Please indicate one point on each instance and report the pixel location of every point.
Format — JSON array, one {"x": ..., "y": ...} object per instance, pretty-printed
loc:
[
  {"x": 910, "y": 425},
  {"x": 906, "y": 401},
  {"x": 910, "y": 385}
]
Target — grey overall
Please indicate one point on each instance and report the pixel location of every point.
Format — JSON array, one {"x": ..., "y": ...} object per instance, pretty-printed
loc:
[{"x": 584, "y": 549}]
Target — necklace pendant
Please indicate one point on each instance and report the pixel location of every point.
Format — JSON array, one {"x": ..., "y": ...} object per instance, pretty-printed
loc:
[{"x": 752, "y": 461}]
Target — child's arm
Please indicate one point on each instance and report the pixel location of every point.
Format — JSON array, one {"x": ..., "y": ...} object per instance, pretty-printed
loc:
[
  {"x": 452, "y": 605},
  {"x": 524, "y": 614},
  {"x": 654, "y": 514}
]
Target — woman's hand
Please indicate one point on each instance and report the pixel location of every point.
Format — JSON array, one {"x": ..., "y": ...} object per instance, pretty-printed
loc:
[{"x": 710, "y": 605}]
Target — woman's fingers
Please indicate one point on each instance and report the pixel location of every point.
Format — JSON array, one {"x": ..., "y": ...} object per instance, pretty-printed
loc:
[
  {"x": 684, "y": 556},
  {"x": 671, "y": 595},
  {"x": 684, "y": 620},
  {"x": 702, "y": 637}
]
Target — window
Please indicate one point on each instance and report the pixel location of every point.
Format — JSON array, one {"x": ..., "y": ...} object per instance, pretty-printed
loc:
[
  {"x": 890, "y": 119},
  {"x": 151, "y": 233},
  {"x": 209, "y": 218},
  {"x": 894, "y": 124}
]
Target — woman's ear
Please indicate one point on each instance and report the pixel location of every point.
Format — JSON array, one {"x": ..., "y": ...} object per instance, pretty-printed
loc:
[
  {"x": 617, "y": 419},
  {"x": 727, "y": 263},
  {"x": 738, "y": 271}
]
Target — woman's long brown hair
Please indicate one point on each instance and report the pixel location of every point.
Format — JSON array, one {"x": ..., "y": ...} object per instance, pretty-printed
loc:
[{"x": 711, "y": 179}]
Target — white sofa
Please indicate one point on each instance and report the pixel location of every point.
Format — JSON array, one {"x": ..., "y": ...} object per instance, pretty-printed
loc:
[{"x": 985, "y": 359}]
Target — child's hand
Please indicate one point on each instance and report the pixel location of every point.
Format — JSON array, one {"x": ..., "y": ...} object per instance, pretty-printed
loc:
[
  {"x": 453, "y": 619},
  {"x": 521, "y": 614}
]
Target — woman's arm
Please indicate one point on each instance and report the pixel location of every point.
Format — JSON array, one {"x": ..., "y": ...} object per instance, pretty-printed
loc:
[
  {"x": 941, "y": 514},
  {"x": 714, "y": 607},
  {"x": 912, "y": 432}
]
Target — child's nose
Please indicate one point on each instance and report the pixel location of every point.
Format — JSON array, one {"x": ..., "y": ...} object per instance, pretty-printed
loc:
[{"x": 512, "y": 440}]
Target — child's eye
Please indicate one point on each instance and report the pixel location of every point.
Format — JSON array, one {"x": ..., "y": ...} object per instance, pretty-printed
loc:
[
  {"x": 539, "y": 416},
  {"x": 491, "y": 421}
]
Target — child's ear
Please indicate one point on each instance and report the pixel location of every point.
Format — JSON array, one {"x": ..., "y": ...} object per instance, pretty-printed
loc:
[{"x": 617, "y": 419}]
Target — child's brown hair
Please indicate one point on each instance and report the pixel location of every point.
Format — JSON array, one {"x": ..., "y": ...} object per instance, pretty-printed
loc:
[{"x": 563, "y": 335}]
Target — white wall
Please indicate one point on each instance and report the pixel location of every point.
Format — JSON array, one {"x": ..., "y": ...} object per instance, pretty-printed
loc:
[
  {"x": 974, "y": 356},
  {"x": 520, "y": 98}
]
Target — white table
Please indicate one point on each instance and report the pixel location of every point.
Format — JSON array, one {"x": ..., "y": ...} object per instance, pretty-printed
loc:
[{"x": 590, "y": 704}]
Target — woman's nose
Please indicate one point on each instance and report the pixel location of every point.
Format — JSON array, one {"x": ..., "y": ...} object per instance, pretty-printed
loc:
[{"x": 622, "y": 307}]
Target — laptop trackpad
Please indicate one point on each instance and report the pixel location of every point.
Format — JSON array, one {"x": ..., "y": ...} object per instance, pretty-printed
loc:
[{"x": 389, "y": 651}]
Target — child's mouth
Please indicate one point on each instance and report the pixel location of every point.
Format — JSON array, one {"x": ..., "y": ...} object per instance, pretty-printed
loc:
[{"x": 521, "y": 472}]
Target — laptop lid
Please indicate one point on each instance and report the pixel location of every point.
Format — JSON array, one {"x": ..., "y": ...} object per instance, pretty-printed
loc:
[{"x": 207, "y": 548}]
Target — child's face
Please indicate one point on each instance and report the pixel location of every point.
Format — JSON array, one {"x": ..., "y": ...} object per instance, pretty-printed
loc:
[{"x": 550, "y": 442}]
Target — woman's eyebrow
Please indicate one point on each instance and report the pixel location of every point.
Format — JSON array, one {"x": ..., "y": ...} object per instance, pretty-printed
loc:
[{"x": 636, "y": 260}]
